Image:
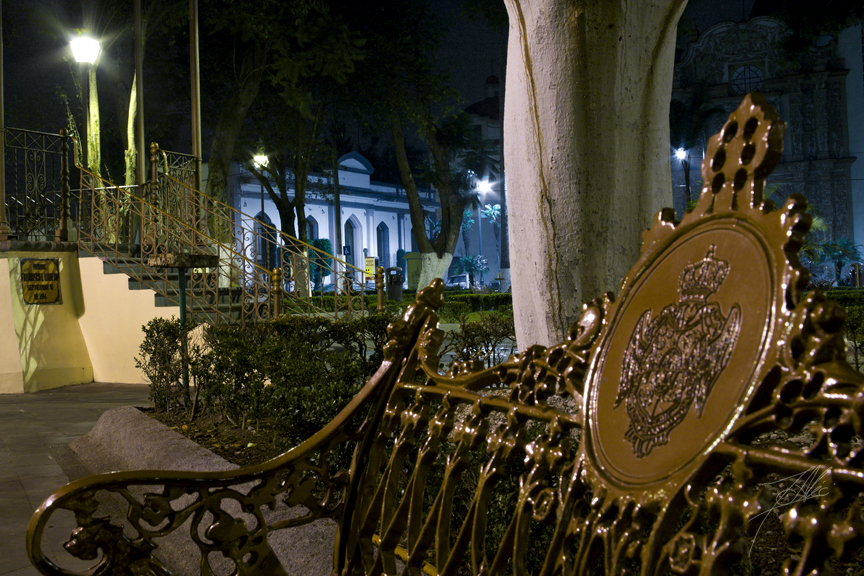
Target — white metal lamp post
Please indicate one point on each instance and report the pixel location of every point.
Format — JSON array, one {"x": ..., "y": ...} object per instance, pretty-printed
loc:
[
  {"x": 684, "y": 157},
  {"x": 484, "y": 187},
  {"x": 86, "y": 51},
  {"x": 261, "y": 161}
]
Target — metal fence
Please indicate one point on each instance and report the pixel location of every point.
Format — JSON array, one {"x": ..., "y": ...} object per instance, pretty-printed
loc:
[{"x": 38, "y": 198}]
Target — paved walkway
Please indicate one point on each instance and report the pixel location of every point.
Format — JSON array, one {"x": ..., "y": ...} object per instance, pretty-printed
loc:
[{"x": 35, "y": 430}]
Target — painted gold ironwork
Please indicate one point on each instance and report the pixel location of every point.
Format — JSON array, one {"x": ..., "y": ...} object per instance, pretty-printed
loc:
[
  {"x": 169, "y": 216},
  {"x": 256, "y": 247},
  {"x": 535, "y": 465},
  {"x": 126, "y": 226}
]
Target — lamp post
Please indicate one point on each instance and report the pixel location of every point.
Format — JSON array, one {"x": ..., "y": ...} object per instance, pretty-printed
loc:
[
  {"x": 484, "y": 187},
  {"x": 86, "y": 51},
  {"x": 684, "y": 157},
  {"x": 261, "y": 161}
]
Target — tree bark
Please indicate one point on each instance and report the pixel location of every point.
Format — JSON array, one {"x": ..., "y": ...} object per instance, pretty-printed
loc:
[
  {"x": 435, "y": 256},
  {"x": 587, "y": 148},
  {"x": 131, "y": 153}
]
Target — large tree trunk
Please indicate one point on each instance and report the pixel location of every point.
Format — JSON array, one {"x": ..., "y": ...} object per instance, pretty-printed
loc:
[
  {"x": 435, "y": 256},
  {"x": 433, "y": 267},
  {"x": 229, "y": 125},
  {"x": 587, "y": 148}
]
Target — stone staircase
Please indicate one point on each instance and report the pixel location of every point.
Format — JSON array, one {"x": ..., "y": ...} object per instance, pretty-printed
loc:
[{"x": 213, "y": 306}]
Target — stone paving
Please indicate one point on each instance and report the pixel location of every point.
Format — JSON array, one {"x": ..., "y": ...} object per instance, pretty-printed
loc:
[{"x": 35, "y": 460}]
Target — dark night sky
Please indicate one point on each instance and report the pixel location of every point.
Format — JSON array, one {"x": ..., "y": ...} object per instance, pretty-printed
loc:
[{"x": 35, "y": 42}]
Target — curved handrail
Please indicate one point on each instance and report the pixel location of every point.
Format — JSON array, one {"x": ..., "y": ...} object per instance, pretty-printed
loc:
[{"x": 267, "y": 226}]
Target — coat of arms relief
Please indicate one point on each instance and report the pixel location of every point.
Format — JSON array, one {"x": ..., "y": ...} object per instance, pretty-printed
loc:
[{"x": 673, "y": 361}]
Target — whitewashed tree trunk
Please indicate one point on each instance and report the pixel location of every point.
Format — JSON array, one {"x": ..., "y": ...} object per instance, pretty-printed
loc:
[
  {"x": 433, "y": 267},
  {"x": 586, "y": 148}
]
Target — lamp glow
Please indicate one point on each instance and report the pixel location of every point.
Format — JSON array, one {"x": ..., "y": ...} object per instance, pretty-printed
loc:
[
  {"x": 260, "y": 160},
  {"x": 680, "y": 153},
  {"x": 85, "y": 49},
  {"x": 484, "y": 186}
]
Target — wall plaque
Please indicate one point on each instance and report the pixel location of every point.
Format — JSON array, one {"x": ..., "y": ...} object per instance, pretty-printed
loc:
[{"x": 40, "y": 280}]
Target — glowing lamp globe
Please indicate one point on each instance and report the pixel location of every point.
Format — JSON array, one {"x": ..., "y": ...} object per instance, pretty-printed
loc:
[{"x": 85, "y": 49}]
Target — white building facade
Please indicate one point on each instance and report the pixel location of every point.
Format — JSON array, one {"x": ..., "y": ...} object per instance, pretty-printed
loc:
[{"x": 374, "y": 216}]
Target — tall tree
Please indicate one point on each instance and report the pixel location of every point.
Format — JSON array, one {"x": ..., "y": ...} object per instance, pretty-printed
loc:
[
  {"x": 290, "y": 42},
  {"x": 293, "y": 151},
  {"x": 290, "y": 113},
  {"x": 587, "y": 148},
  {"x": 399, "y": 89}
]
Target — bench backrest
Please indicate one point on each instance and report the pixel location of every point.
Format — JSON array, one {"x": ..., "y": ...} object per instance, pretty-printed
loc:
[
  {"x": 606, "y": 454},
  {"x": 635, "y": 447}
]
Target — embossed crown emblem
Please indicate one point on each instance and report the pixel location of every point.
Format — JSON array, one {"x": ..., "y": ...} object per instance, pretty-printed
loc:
[{"x": 701, "y": 279}]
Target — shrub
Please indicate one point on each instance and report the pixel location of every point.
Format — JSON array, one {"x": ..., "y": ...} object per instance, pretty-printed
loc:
[
  {"x": 855, "y": 333},
  {"x": 847, "y": 297},
  {"x": 161, "y": 361},
  {"x": 490, "y": 338},
  {"x": 452, "y": 312},
  {"x": 482, "y": 302},
  {"x": 292, "y": 374}
]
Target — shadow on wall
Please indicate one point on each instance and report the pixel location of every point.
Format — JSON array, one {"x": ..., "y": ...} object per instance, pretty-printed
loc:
[{"x": 45, "y": 298}]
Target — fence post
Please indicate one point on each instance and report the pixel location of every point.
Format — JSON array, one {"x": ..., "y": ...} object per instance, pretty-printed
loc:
[
  {"x": 379, "y": 286},
  {"x": 154, "y": 173},
  {"x": 62, "y": 233},
  {"x": 276, "y": 293},
  {"x": 150, "y": 235}
]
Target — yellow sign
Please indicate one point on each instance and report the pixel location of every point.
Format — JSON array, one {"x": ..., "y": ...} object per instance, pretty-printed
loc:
[
  {"x": 40, "y": 281},
  {"x": 370, "y": 266}
]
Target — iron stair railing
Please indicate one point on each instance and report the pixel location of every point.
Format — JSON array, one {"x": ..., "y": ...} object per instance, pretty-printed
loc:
[
  {"x": 257, "y": 245},
  {"x": 126, "y": 225},
  {"x": 37, "y": 195}
]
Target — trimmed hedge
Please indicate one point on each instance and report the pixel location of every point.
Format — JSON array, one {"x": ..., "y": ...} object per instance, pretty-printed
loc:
[
  {"x": 292, "y": 374},
  {"x": 482, "y": 302},
  {"x": 848, "y": 298},
  {"x": 855, "y": 334}
]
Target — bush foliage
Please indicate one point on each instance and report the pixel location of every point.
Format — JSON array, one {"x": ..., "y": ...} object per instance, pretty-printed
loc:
[
  {"x": 295, "y": 373},
  {"x": 292, "y": 374}
]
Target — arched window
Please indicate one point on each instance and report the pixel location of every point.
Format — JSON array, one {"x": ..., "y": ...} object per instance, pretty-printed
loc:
[
  {"x": 349, "y": 243},
  {"x": 265, "y": 242},
  {"x": 383, "y": 245},
  {"x": 311, "y": 229}
]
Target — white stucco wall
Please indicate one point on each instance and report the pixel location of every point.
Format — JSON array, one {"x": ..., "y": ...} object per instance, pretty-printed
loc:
[{"x": 112, "y": 320}]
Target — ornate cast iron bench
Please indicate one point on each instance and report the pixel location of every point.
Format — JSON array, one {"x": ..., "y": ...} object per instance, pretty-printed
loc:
[{"x": 632, "y": 448}]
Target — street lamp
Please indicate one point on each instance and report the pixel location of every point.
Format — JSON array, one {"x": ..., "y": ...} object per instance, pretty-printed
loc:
[
  {"x": 484, "y": 187},
  {"x": 684, "y": 157},
  {"x": 86, "y": 51},
  {"x": 261, "y": 161}
]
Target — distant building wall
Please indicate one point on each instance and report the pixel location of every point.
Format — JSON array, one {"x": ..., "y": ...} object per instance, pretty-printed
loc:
[{"x": 816, "y": 93}]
